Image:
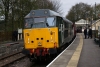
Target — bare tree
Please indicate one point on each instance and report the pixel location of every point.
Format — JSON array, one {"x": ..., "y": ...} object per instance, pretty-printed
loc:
[
  {"x": 6, "y": 10},
  {"x": 15, "y": 10},
  {"x": 96, "y": 11},
  {"x": 79, "y": 11},
  {"x": 56, "y": 6}
]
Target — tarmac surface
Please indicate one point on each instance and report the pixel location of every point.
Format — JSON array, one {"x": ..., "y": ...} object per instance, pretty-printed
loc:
[
  {"x": 81, "y": 53},
  {"x": 63, "y": 59},
  {"x": 90, "y": 55}
]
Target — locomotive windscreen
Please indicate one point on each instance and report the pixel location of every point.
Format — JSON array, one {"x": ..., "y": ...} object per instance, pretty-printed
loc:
[{"x": 40, "y": 22}]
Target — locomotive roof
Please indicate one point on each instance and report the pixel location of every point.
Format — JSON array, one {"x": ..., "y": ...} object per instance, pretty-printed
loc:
[
  {"x": 68, "y": 21},
  {"x": 41, "y": 12},
  {"x": 45, "y": 12}
]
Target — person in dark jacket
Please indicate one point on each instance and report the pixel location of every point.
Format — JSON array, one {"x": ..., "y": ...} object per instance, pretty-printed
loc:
[
  {"x": 85, "y": 33},
  {"x": 15, "y": 35},
  {"x": 90, "y": 33}
]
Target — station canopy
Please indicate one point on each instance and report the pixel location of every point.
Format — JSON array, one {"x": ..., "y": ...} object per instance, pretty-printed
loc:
[{"x": 82, "y": 21}]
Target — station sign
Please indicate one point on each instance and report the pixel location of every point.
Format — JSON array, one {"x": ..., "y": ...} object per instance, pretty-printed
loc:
[{"x": 19, "y": 30}]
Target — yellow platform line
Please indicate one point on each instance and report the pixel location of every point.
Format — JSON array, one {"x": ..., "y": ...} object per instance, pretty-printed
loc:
[{"x": 75, "y": 58}]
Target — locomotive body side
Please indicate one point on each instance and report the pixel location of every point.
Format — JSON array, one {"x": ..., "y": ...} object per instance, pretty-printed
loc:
[{"x": 65, "y": 31}]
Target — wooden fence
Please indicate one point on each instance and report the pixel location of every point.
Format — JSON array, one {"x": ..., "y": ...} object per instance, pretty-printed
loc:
[{"x": 5, "y": 36}]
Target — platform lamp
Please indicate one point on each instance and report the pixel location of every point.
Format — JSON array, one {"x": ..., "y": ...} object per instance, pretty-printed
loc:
[
  {"x": 87, "y": 22},
  {"x": 95, "y": 19},
  {"x": 91, "y": 21}
]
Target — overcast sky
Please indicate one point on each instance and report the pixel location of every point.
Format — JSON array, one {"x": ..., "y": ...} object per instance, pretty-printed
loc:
[{"x": 67, "y": 4}]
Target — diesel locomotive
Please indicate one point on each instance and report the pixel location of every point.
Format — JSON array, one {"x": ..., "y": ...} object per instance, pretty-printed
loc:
[{"x": 46, "y": 32}]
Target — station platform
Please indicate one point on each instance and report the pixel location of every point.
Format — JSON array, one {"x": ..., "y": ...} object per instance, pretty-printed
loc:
[{"x": 81, "y": 53}]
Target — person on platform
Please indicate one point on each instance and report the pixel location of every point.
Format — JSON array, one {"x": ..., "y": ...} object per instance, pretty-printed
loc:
[
  {"x": 15, "y": 35},
  {"x": 85, "y": 33},
  {"x": 90, "y": 33}
]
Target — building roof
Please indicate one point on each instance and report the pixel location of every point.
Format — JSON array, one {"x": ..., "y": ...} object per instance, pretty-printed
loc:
[
  {"x": 82, "y": 21},
  {"x": 96, "y": 21}
]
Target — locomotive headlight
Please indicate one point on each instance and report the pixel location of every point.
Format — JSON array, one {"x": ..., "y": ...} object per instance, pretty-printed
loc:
[
  {"x": 45, "y": 12},
  {"x": 33, "y": 13},
  {"x": 55, "y": 45},
  {"x": 27, "y": 34},
  {"x": 51, "y": 32}
]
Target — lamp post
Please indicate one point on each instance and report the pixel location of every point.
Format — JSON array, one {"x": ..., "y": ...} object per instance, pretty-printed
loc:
[
  {"x": 87, "y": 18},
  {"x": 95, "y": 19},
  {"x": 91, "y": 22}
]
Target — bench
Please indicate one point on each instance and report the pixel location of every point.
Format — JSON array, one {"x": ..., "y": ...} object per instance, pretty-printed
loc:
[{"x": 96, "y": 40}]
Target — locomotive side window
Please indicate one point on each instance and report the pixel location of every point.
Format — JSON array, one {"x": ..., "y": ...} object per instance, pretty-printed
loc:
[{"x": 66, "y": 29}]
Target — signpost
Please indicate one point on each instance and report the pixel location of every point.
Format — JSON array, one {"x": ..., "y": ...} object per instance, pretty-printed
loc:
[{"x": 19, "y": 34}]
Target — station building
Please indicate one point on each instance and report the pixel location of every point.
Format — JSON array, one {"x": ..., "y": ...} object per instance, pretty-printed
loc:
[{"x": 81, "y": 24}]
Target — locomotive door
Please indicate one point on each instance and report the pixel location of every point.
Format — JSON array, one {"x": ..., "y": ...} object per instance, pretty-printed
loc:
[{"x": 62, "y": 32}]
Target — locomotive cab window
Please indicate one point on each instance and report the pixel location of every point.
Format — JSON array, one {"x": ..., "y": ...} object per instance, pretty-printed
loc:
[
  {"x": 50, "y": 21},
  {"x": 39, "y": 22},
  {"x": 28, "y": 22},
  {"x": 35, "y": 23}
]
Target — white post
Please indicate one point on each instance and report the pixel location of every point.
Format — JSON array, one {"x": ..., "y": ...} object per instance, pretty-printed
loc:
[
  {"x": 19, "y": 33},
  {"x": 21, "y": 36},
  {"x": 18, "y": 36}
]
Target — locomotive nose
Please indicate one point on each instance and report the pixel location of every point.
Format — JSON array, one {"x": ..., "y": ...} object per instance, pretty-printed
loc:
[{"x": 41, "y": 38}]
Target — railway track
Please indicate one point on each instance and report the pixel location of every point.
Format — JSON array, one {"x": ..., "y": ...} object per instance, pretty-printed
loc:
[
  {"x": 19, "y": 60},
  {"x": 11, "y": 59}
]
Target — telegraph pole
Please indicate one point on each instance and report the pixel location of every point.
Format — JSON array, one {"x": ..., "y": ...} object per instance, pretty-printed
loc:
[{"x": 95, "y": 10}]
